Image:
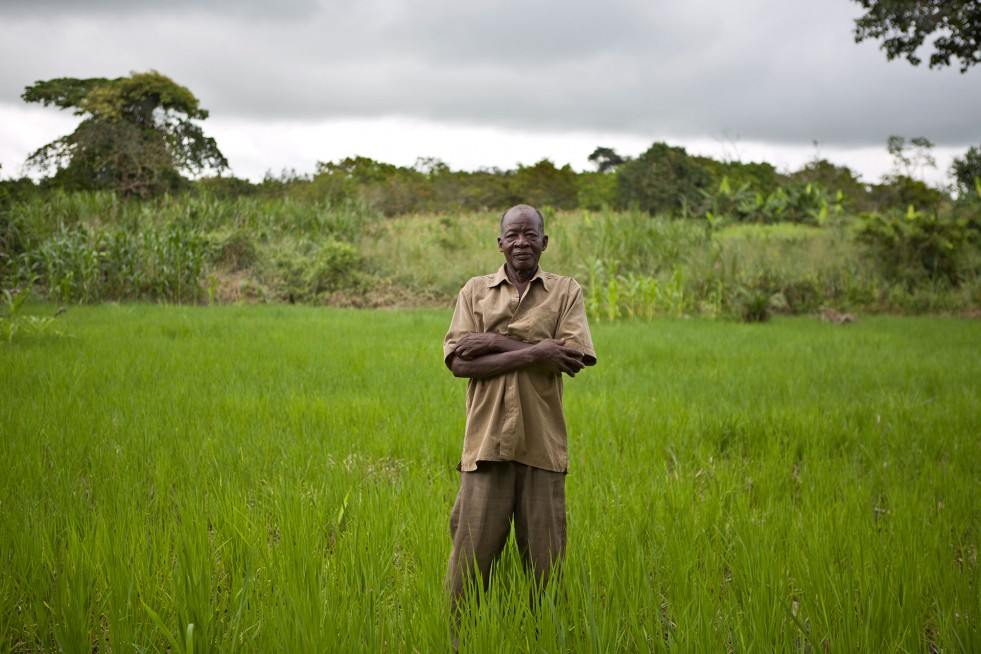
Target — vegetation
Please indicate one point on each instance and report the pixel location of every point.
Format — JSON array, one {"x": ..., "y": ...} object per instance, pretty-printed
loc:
[
  {"x": 15, "y": 322},
  {"x": 197, "y": 249},
  {"x": 136, "y": 138},
  {"x": 919, "y": 246},
  {"x": 903, "y": 26},
  {"x": 75, "y": 247},
  {"x": 279, "y": 479},
  {"x": 664, "y": 233},
  {"x": 663, "y": 180},
  {"x": 967, "y": 171},
  {"x": 274, "y": 478}
]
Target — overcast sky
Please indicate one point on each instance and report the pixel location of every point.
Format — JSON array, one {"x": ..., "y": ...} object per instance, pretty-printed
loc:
[{"x": 481, "y": 83}]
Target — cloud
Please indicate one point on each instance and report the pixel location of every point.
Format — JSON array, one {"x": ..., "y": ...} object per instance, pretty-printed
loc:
[
  {"x": 60, "y": 9},
  {"x": 783, "y": 72}
]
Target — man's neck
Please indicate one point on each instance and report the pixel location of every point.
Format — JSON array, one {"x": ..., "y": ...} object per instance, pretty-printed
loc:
[{"x": 520, "y": 278}]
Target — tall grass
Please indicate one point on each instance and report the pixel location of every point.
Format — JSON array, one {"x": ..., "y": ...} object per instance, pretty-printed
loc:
[
  {"x": 280, "y": 479},
  {"x": 82, "y": 265},
  {"x": 93, "y": 247}
]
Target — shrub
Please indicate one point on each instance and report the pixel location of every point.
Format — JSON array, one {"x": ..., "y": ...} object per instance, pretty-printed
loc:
[
  {"x": 802, "y": 295},
  {"x": 664, "y": 179},
  {"x": 234, "y": 251},
  {"x": 305, "y": 270},
  {"x": 919, "y": 247},
  {"x": 756, "y": 304},
  {"x": 597, "y": 191}
]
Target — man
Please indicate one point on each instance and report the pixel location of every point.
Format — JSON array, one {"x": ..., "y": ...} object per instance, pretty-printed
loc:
[{"x": 513, "y": 334}]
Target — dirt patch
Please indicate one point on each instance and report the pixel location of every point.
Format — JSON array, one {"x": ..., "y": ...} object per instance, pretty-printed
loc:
[
  {"x": 830, "y": 315},
  {"x": 234, "y": 287}
]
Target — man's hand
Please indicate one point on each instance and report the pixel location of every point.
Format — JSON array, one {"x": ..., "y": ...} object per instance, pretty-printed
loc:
[
  {"x": 555, "y": 358},
  {"x": 472, "y": 346}
]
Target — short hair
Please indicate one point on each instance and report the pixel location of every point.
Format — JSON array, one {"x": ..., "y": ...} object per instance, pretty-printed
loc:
[{"x": 541, "y": 218}]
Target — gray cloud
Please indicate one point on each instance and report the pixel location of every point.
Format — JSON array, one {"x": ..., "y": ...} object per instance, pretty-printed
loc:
[
  {"x": 778, "y": 71},
  {"x": 60, "y": 9}
]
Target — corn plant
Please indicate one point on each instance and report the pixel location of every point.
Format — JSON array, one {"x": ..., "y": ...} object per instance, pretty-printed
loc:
[{"x": 14, "y": 321}]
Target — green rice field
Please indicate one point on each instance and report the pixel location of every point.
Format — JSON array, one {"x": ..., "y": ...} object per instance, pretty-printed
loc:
[{"x": 278, "y": 478}]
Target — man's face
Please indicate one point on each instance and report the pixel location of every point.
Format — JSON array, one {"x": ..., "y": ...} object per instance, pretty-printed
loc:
[{"x": 522, "y": 240}]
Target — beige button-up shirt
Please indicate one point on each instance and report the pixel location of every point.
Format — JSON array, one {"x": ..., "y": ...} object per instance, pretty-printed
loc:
[{"x": 517, "y": 416}]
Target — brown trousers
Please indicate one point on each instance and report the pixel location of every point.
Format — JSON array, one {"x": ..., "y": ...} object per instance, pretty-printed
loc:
[{"x": 489, "y": 498}]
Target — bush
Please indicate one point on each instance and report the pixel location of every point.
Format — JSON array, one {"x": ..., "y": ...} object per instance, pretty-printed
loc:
[
  {"x": 543, "y": 184},
  {"x": 757, "y": 304},
  {"x": 802, "y": 295},
  {"x": 918, "y": 247},
  {"x": 234, "y": 251},
  {"x": 305, "y": 270},
  {"x": 663, "y": 180},
  {"x": 597, "y": 191}
]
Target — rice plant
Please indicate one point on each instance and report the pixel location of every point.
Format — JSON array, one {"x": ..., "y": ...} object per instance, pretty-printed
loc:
[{"x": 255, "y": 479}]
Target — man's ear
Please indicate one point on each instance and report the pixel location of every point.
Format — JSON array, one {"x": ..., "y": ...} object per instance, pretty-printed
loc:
[
  {"x": 500, "y": 244},
  {"x": 544, "y": 242}
]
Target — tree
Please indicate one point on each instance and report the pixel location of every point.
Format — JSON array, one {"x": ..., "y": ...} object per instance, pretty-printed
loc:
[
  {"x": 967, "y": 171},
  {"x": 911, "y": 158},
  {"x": 832, "y": 177},
  {"x": 596, "y": 190},
  {"x": 759, "y": 177},
  {"x": 545, "y": 185},
  {"x": 903, "y": 25},
  {"x": 662, "y": 180},
  {"x": 606, "y": 159},
  {"x": 383, "y": 186},
  {"x": 136, "y": 138}
]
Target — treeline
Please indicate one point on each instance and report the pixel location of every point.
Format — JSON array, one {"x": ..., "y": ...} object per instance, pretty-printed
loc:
[
  {"x": 664, "y": 180},
  {"x": 653, "y": 235},
  {"x": 139, "y": 138},
  {"x": 188, "y": 248}
]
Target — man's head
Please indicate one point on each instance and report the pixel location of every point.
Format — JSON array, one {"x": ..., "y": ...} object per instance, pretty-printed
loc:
[{"x": 522, "y": 238}]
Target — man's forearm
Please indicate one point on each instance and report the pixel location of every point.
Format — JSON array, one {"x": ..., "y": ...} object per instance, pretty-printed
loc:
[
  {"x": 549, "y": 355},
  {"x": 508, "y": 344},
  {"x": 481, "y": 344},
  {"x": 492, "y": 365}
]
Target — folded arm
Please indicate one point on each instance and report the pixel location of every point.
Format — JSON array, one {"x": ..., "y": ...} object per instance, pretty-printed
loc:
[{"x": 479, "y": 356}]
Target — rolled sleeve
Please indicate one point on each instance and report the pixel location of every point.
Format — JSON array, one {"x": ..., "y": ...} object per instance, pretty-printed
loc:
[
  {"x": 574, "y": 328},
  {"x": 463, "y": 322}
]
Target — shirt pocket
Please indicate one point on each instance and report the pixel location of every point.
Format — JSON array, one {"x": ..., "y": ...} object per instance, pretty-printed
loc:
[{"x": 536, "y": 324}]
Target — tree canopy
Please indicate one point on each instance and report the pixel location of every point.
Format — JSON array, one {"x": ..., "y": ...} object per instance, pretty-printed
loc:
[
  {"x": 664, "y": 179},
  {"x": 606, "y": 159},
  {"x": 137, "y": 136},
  {"x": 967, "y": 171},
  {"x": 911, "y": 158},
  {"x": 903, "y": 25}
]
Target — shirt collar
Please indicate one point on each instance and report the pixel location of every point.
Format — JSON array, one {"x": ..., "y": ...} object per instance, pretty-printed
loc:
[{"x": 500, "y": 277}]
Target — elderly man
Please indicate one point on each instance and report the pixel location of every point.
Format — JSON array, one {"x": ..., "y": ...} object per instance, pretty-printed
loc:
[{"x": 513, "y": 334}]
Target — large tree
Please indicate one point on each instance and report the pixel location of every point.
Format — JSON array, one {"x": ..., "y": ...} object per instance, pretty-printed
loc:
[
  {"x": 911, "y": 158},
  {"x": 606, "y": 159},
  {"x": 662, "y": 180},
  {"x": 967, "y": 171},
  {"x": 137, "y": 136},
  {"x": 903, "y": 25}
]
